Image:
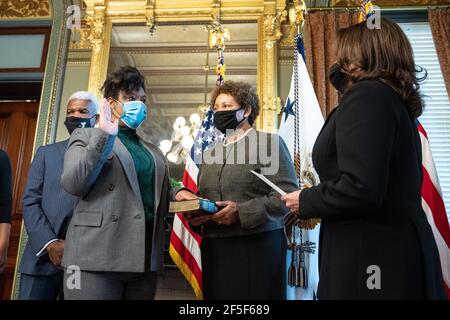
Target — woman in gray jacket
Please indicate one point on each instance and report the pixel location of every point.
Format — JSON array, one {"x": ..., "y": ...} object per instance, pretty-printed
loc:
[
  {"x": 244, "y": 247},
  {"x": 115, "y": 240}
]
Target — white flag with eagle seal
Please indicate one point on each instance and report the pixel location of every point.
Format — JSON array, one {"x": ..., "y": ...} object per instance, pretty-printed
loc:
[{"x": 310, "y": 123}]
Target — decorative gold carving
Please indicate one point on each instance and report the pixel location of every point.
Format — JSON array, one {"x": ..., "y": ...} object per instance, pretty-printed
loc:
[
  {"x": 95, "y": 37},
  {"x": 217, "y": 35},
  {"x": 272, "y": 104},
  {"x": 25, "y": 9},
  {"x": 287, "y": 40},
  {"x": 99, "y": 38},
  {"x": 272, "y": 25},
  {"x": 297, "y": 14},
  {"x": 217, "y": 32},
  {"x": 215, "y": 9},
  {"x": 150, "y": 16},
  {"x": 80, "y": 39}
]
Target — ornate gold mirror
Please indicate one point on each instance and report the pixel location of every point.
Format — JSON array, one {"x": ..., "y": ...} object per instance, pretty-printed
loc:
[{"x": 180, "y": 72}]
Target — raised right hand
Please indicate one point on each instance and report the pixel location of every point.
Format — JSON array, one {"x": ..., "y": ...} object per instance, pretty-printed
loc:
[{"x": 105, "y": 123}]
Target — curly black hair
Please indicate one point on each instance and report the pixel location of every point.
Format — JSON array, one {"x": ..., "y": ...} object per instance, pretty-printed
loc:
[
  {"x": 127, "y": 79},
  {"x": 243, "y": 93}
]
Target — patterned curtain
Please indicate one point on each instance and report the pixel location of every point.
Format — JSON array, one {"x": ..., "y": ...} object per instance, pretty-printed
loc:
[
  {"x": 440, "y": 27},
  {"x": 320, "y": 37}
]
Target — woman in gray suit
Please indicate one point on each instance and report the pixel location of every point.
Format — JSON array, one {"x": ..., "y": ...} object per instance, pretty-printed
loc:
[
  {"x": 114, "y": 243},
  {"x": 244, "y": 247}
]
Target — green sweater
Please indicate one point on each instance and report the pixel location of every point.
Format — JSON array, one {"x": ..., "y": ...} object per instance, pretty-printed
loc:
[{"x": 145, "y": 168}]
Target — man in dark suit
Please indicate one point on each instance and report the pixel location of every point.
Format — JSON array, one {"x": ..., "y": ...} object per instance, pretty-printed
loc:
[{"x": 47, "y": 208}]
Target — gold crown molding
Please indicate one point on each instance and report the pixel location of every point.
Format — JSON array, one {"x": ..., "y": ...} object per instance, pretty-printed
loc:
[
  {"x": 25, "y": 9},
  {"x": 173, "y": 15},
  {"x": 195, "y": 72},
  {"x": 79, "y": 63},
  {"x": 154, "y": 11},
  {"x": 288, "y": 61},
  {"x": 383, "y": 3},
  {"x": 183, "y": 49},
  {"x": 79, "y": 54}
]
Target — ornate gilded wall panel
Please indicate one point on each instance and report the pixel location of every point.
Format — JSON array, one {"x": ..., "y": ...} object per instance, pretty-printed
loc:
[{"x": 25, "y": 9}]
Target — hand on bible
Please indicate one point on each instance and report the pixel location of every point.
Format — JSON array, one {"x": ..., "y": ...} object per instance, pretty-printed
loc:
[{"x": 185, "y": 195}]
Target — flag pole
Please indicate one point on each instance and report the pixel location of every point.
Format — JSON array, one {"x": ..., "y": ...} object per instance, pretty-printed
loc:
[
  {"x": 297, "y": 16},
  {"x": 298, "y": 270}
]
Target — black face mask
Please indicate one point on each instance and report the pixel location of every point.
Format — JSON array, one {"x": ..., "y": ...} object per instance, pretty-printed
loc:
[
  {"x": 338, "y": 79},
  {"x": 73, "y": 123},
  {"x": 224, "y": 120}
]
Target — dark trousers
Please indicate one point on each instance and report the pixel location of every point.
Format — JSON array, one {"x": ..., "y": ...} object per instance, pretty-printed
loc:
[
  {"x": 112, "y": 286},
  {"x": 246, "y": 267},
  {"x": 37, "y": 287}
]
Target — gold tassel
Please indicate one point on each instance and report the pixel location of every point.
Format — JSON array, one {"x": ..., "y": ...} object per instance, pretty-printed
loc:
[{"x": 308, "y": 224}]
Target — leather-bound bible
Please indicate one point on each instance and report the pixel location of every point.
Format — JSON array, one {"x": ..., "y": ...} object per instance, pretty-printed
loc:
[{"x": 193, "y": 206}]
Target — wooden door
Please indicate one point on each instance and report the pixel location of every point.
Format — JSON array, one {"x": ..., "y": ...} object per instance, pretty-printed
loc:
[{"x": 17, "y": 129}]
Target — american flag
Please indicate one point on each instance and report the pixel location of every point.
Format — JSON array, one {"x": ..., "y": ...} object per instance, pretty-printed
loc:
[
  {"x": 185, "y": 244},
  {"x": 434, "y": 207},
  {"x": 365, "y": 10}
]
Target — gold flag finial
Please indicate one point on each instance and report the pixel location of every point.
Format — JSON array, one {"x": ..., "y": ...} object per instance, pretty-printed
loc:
[{"x": 297, "y": 14}]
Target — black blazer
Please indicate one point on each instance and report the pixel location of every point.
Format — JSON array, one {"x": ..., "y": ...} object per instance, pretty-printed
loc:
[{"x": 368, "y": 157}]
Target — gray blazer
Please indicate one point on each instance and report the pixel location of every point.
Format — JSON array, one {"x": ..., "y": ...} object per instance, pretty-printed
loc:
[
  {"x": 107, "y": 231},
  {"x": 260, "y": 207}
]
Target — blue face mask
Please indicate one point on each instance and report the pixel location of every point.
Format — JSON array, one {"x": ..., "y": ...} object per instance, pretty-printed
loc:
[{"x": 134, "y": 113}]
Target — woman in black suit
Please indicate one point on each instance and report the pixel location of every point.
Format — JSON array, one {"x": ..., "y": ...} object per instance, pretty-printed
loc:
[{"x": 375, "y": 240}]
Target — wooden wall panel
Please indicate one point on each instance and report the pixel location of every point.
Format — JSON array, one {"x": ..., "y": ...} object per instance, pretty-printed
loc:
[{"x": 17, "y": 129}]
